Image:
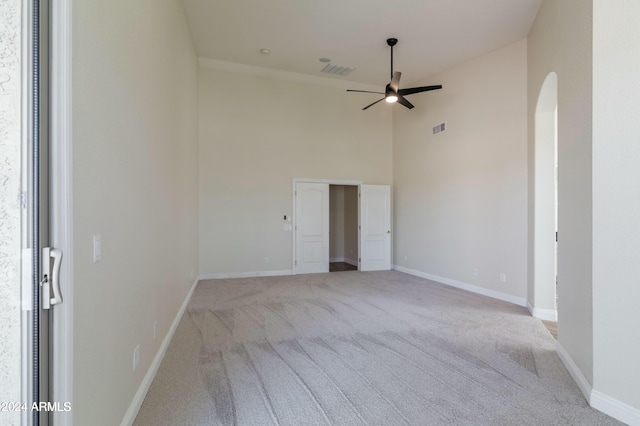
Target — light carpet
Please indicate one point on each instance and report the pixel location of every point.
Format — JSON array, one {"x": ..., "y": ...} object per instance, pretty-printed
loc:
[{"x": 354, "y": 348}]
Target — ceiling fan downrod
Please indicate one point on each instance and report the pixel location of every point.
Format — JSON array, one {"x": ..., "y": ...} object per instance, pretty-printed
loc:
[{"x": 392, "y": 42}]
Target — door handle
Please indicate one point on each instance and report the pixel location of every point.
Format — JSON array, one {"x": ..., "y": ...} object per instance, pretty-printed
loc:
[
  {"x": 51, "y": 277},
  {"x": 55, "y": 276}
]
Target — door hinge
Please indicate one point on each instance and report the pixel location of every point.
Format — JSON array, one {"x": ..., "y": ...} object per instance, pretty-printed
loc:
[{"x": 359, "y": 260}]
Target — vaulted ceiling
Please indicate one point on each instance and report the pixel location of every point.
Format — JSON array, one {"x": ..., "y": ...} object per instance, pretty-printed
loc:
[{"x": 434, "y": 35}]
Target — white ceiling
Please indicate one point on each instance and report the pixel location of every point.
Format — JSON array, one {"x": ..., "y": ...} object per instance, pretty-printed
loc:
[{"x": 434, "y": 35}]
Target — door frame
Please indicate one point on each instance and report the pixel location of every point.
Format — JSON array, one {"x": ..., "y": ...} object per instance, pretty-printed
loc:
[
  {"x": 293, "y": 211},
  {"x": 61, "y": 205},
  {"x": 543, "y": 221}
]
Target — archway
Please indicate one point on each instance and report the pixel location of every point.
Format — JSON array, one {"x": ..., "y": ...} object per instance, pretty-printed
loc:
[{"x": 545, "y": 201}]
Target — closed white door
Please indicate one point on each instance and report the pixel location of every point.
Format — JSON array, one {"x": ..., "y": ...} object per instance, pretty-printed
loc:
[
  {"x": 375, "y": 227},
  {"x": 312, "y": 227}
]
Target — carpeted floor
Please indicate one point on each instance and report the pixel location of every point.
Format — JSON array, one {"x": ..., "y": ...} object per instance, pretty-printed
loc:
[{"x": 351, "y": 348}]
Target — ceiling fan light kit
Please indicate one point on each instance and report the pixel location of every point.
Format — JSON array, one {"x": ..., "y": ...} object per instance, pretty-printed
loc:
[{"x": 392, "y": 92}]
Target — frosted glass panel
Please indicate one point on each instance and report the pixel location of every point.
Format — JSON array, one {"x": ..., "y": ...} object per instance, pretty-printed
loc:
[{"x": 10, "y": 211}]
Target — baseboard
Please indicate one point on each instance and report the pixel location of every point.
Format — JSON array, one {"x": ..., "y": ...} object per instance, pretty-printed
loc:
[
  {"x": 614, "y": 408},
  {"x": 576, "y": 373},
  {"x": 222, "y": 275},
  {"x": 598, "y": 400},
  {"x": 138, "y": 398},
  {"x": 543, "y": 314},
  {"x": 352, "y": 262},
  {"x": 344, "y": 259},
  {"x": 520, "y": 301}
]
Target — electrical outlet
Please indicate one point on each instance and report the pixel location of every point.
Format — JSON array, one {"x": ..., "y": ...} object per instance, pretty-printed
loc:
[
  {"x": 136, "y": 357},
  {"x": 155, "y": 329},
  {"x": 405, "y": 257},
  {"x": 266, "y": 260},
  {"x": 503, "y": 277},
  {"x": 475, "y": 272}
]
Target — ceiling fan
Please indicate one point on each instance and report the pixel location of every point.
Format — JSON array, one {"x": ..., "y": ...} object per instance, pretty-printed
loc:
[{"x": 392, "y": 92}]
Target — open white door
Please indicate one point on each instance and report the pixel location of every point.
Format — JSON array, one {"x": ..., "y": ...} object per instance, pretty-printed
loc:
[
  {"x": 375, "y": 227},
  {"x": 312, "y": 227}
]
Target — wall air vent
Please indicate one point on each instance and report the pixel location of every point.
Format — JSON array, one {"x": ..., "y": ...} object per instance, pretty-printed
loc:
[
  {"x": 439, "y": 128},
  {"x": 336, "y": 69}
]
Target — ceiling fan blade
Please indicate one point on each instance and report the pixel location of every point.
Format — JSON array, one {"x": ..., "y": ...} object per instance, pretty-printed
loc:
[
  {"x": 395, "y": 81},
  {"x": 370, "y": 105},
  {"x": 364, "y": 91},
  {"x": 412, "y": 90},
  {"x": 403, "y": 101}
]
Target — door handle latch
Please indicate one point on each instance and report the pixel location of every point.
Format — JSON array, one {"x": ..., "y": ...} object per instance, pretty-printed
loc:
[{"x": 51, "y": 277}]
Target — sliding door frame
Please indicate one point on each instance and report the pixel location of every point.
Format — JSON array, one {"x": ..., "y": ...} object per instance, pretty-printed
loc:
[{"x": 61, "y": 203}]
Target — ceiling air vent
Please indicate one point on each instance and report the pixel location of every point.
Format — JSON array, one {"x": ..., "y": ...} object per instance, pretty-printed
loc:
[
  {"x": 337, "y": 69},
  {"x": 439, "y": 128}
]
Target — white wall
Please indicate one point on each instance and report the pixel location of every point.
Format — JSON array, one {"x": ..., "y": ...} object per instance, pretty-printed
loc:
[
  {"x": 135, "y": 183},
  {"x": 460, "y": 197},
  {"x": 616, "y": 202},
  {"x": 560, "y": 41},
  {"x": 256, "y": 135}
]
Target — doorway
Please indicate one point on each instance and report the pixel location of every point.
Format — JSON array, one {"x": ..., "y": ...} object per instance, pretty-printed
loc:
[
  {"x": 544, "y": 303},
  {"x": 343, "y": 228},
  {"x": 311, "y": 226}
]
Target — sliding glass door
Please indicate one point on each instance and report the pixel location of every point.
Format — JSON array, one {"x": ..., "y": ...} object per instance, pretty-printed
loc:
[
  {"x": 28, "y": 267},
  {"x": 36, "y": 182}
]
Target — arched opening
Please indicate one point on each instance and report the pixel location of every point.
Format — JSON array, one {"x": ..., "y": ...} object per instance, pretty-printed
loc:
[{"x": 544, "y": 304}]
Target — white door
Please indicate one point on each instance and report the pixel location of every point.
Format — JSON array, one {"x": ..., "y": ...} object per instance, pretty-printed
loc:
[
  {"x": 312, "y": 227},
  {"x": 375, "y": 227}
]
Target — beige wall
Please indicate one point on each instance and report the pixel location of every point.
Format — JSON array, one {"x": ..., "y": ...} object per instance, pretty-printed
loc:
[
  {"x": 560, "y": 41},
  {"x": 460, "y": 197},
  {"x": 135, "y": 183},
  {"x": 616, "y": 202},
  {"x": 256, "y": 135}
]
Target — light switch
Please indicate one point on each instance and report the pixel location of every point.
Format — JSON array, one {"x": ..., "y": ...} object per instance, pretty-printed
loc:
[{"x": 97, "y": 248}]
